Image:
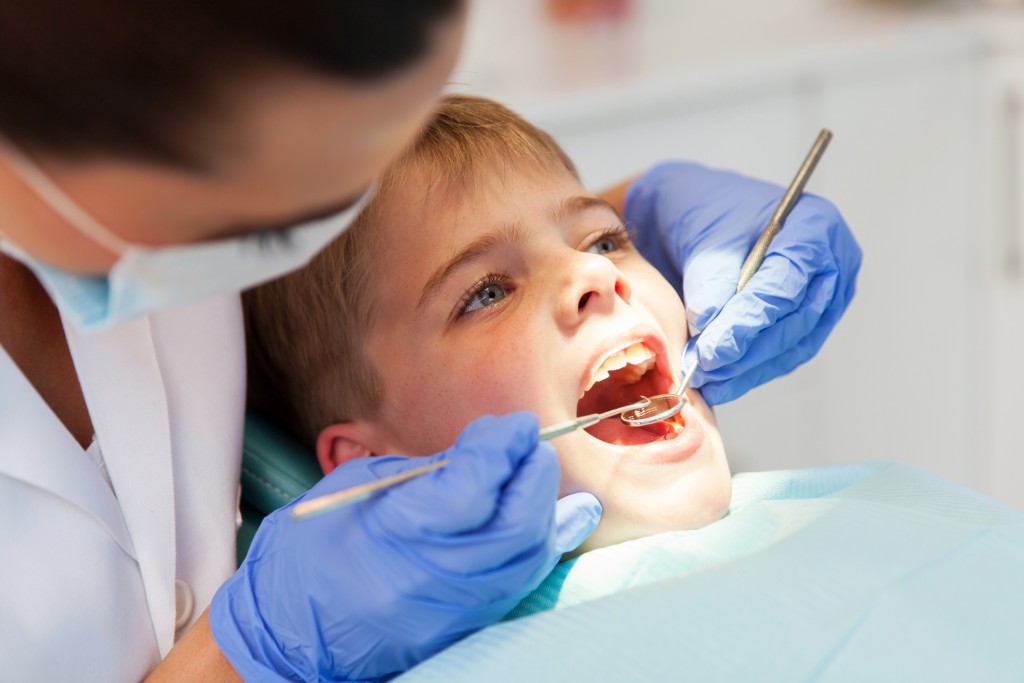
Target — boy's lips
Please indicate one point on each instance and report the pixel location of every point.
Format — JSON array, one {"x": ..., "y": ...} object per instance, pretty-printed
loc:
[
  {"x": 663, "y": 442},
  {"x": 660, "y": 377},
  {"x": 605, "y": 385}
]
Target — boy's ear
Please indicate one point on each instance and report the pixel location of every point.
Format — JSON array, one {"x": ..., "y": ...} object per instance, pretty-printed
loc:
[{"x": 342, "y": 442}]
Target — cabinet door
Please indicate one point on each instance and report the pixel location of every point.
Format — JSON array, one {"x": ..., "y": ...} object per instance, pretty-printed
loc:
[{"x": 1003, "y": 365}]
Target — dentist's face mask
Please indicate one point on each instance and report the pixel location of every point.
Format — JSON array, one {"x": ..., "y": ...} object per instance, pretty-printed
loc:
[{"x": 148, "y": 279}]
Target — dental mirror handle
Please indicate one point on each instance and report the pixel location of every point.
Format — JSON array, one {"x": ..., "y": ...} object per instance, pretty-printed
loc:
[
  {"x": 756, "y": 256},
  {"x": 561, "y": 428},
  {"x": 357, "y": 494}
]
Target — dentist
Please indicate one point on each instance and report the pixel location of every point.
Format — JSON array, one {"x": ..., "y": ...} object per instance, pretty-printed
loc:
[{"x": 156, "y": 159}]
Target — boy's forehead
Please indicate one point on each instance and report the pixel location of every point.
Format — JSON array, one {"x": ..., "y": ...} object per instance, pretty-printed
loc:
[
  {"x": 428, "y": 221},
  {"x": 442, "y": 231},
  {"x": 489, "y": 194}
]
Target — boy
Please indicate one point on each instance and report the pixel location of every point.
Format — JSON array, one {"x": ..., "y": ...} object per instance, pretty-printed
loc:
[{"x": 512, "y": 288}]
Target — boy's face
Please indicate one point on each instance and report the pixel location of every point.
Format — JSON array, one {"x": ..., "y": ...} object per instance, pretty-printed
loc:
[{"x": 516, "y": 295}]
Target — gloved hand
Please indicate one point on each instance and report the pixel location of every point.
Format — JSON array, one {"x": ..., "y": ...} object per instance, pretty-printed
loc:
[
  {"x": 367, "y": 591},
  {"x": 696, "y": 225}
]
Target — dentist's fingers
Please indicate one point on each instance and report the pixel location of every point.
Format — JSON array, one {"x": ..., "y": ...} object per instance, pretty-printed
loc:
[
  {"x": 576, "y": 517},
  {"x": 718, "y": 392},
  {"x": 462, "y": 496},
  {"x": 493, "y": 503},
  {"x": 709, "y": 282},
  {"x": 736, "y": 343},
  {"x": 776, "y": 290}
]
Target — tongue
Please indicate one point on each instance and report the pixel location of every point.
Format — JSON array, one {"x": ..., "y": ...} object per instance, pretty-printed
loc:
[{"x": 614, "y": 430}]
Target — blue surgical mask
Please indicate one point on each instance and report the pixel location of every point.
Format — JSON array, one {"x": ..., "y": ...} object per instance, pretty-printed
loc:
[{"x": 148, "y": 279}]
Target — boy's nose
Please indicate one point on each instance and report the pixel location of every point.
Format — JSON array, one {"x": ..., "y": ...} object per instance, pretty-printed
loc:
[{"x": 594, "y": 285}]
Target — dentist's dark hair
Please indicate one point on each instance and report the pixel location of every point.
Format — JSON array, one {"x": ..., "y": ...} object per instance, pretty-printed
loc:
[{"x": 133, "y": 78}]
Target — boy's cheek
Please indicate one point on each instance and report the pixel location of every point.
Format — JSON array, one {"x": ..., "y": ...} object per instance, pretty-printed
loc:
[
  {"x": 705, "y": 411},
  {"x": 508, "y": 385},
  {"x": 579, "y": 470},
  {"x": 661, "y": 299}
]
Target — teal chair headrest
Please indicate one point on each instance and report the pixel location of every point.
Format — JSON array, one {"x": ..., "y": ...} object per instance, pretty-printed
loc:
[{"x": 276, "y": 469}]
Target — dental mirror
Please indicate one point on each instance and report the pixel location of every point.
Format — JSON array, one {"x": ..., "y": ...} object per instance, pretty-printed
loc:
[{"x": 660, "y": 407}]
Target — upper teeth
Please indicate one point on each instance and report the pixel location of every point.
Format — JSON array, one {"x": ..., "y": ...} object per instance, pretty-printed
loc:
[{"x": 637, "y": 355}]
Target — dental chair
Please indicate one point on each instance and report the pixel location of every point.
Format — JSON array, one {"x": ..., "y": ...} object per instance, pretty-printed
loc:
[{"x": 276, "y": 469}]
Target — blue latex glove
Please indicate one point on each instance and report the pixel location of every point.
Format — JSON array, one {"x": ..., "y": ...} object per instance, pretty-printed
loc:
[
  {"x": 367, "y": 591},
  {"x": 696, "y": 225}
]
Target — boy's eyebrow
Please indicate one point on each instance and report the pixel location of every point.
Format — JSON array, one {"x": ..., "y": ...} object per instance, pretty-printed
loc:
[
  {"x": 579, "y": 205},
  {"x": 510, "y": 233}
]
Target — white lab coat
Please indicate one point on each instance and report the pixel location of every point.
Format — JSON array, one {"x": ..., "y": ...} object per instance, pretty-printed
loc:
[{"x": 89, "y": 566}]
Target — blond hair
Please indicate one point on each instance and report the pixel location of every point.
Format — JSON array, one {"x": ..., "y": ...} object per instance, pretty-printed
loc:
[{"x": 306, "y": 332}]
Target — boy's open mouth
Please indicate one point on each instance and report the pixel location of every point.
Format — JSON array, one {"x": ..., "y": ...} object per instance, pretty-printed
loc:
[{"x": 622, "y": 378}]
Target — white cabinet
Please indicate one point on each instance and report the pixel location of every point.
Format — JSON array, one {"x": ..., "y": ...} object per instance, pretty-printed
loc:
[
  {"x": 1003, "y": 281},
  {"x": 759, "y": 135},
  {"x": 894, "y": 381}
]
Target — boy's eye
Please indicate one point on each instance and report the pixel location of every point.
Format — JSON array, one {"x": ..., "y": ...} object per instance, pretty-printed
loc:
[
  {"x": 486, "y": 296},
  {"x": 603, "y": 246},
  {"x": 489, "y": 291},
  {"x": 610, "y": 240}
]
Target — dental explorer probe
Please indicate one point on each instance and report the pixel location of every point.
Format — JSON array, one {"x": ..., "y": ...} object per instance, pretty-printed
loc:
[
  {"x": 664, "y": 406},
  {"x": 357, "y": 494},
  {"x": 757, "y": 253}
]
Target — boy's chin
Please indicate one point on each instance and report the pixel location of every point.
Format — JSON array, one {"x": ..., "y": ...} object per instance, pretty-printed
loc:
[{"x": 611, "y": 532}]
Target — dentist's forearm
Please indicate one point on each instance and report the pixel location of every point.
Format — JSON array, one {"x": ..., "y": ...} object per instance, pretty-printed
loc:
[{"x": 196, "y": 657}]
